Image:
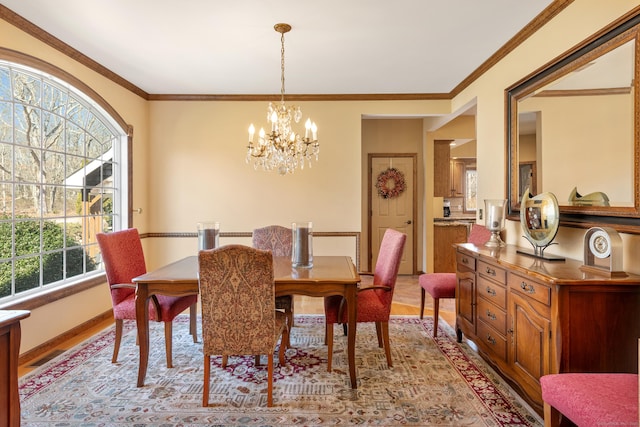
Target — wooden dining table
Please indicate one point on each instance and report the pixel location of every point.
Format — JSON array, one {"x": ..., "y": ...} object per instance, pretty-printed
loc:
[{"x": 329, "y": 275}]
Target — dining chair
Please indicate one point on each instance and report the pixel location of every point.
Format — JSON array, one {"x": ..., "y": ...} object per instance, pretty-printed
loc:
[
  {"x": 123, "y": 260},
  {"x": 443, "y": 285},
  {"x": 239, "y": 315},
  {"x": 590, "y": 399},
  {"x": 278, "y": 240},
  {"x": 374, "y": 302}
]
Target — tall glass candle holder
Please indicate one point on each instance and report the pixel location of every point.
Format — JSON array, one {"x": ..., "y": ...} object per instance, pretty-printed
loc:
[
  {"x": 208, "y": 235},
  {"x": 494, "y": 221},
  {"x": 302, "y": 249}
]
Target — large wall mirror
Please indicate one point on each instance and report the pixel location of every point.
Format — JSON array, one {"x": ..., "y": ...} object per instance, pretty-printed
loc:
[{"x": 573, "y": 130}]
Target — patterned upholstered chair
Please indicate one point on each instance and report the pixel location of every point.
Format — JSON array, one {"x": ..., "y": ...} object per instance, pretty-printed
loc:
[
  {"x": 590, "y": 399},
  {"x": 123, "y": 260},
  {"x": 443, "y": 285},
  {"x": 239, "y": 316},
  {"x": 278, "y": 240},
  {"x": 374, "y": 302}
]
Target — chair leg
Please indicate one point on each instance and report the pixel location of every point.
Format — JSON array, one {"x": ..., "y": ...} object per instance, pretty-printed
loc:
[
  {"x": 436, "y": 315},
  {"x": 205, "y": 386},
  {"x": 270, "y": 380},
  {"x": 422, "y": 297},
  {"x": 193, "y": 316},
  {"x": 116, "y": 344},
  {"x": 256, "y": 360},
  {"x": 551, "y": 416},
  {"x": 384, "y": 328},
  {"x": 379, "y": 335},
  {"x": 344, "y": 329},
  {"x": 329, "y": 338},
  {"x": 168, "y": 333},
  {"x": 225, "y": 359}
]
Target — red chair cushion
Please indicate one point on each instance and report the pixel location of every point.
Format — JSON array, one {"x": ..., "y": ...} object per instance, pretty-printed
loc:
[
  {"x": 439, "y": 285},
  {"x": 593, "y": 399}
]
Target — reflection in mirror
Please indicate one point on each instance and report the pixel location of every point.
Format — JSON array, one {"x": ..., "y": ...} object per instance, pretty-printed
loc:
[
  {"x": 539, "y": 219},
  {"x": 573, "y": 129},
  {"x": 588, "y": 111}
]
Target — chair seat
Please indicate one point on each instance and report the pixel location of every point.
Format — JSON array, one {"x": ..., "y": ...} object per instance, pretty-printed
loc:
[
  {"x": 370, "y": 308},
  {"x": 170, "y": 307},
  {"x": 593, "y": 399},
  {"x": 439, "y": 285}
]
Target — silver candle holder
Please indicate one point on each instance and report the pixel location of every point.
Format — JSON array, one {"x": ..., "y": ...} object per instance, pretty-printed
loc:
[{"x": 494, "y": 221}]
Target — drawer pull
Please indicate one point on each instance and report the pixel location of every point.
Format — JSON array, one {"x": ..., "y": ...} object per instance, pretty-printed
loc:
[
  {"x": 490, "y": 315},
  {"x": 527, "y": 288},
  {"x": 491, "y": 339},
  {"x": 491, "y": 291},
  {"x": 490, "y": 271},
  {"x": 465, "y": 260}
]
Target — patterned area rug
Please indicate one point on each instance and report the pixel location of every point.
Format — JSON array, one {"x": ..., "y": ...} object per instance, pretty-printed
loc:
[{"x": 433, "y": 382}]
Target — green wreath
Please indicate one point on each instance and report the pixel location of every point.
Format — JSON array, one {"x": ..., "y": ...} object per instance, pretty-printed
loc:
[{"x": 385, "y": 190}]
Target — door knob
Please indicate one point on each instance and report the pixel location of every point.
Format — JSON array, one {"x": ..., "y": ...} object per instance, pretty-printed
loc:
[{"x": 408, "y": 222}]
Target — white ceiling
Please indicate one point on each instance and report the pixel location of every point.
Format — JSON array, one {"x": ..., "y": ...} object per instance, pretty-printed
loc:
[{"x": 335, "y": 46}]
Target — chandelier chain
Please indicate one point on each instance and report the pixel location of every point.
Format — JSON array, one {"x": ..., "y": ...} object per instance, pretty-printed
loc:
[{"x": 282, "y": 68}]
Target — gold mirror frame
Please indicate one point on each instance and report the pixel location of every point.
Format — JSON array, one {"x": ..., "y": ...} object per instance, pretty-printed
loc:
[{"x": 621, "y": 218}]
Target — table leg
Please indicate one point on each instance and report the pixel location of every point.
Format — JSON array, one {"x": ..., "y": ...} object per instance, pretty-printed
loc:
[
  {"x": 142, "y": 324},
  {"x": 352, "y": 311}
]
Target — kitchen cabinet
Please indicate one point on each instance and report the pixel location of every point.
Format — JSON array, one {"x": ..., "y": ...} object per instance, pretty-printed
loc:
[
  {"x": 445, "y": 235},
  {"x": 529, "y": 317},
  {"x": 457, "y": 179},
  {"x": 441, "y": 169}
]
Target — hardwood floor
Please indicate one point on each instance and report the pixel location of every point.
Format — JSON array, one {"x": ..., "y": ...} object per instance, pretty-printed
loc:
[{"x": 406, "y": 302}]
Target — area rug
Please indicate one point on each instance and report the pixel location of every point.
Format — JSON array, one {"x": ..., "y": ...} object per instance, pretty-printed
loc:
[{"x": 432, "y": 382}]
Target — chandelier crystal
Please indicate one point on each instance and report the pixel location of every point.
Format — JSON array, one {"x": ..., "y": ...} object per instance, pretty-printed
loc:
[{"x": 282, "y": 149}]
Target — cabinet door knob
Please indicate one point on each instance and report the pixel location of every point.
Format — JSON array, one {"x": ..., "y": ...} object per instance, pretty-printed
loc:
[{"x": 491, "y": 291}]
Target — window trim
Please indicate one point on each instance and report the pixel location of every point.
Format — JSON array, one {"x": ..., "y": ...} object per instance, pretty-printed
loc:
[{"x": 45, "y": 297}]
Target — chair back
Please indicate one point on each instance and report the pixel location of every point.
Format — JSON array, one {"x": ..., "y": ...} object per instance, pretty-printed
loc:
[
  {"x": 123, "y": 259},
  {"x": 237, "y": 293},
  {"x": 274, "y": 238},
  {"x": 479, "y": 235},
  {"x": 388, "y": 263}
]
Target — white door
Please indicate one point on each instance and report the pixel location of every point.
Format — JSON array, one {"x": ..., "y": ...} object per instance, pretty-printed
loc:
[{"x": 395, "y": 211}]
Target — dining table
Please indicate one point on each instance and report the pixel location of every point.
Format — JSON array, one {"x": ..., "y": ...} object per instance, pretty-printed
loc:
[{"x": 329, "y": 275}]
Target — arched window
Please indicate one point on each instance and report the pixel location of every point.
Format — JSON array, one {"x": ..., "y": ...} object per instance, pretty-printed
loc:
[{"x": 63, "y": 158}]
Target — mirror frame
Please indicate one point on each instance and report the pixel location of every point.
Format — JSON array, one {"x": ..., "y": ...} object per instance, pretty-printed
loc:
[{"x": 623, "y": 219}]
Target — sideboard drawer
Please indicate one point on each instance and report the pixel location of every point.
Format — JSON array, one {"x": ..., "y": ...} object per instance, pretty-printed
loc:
[
  {"x": 530, "y": 288},
  {"x": 492, "y": 340},
  {"x": 492, "y": 291},
  {"x": 489, "y": 270},
  {"x": 492, "y": 315},
  {"x": 465, "y": 261}
]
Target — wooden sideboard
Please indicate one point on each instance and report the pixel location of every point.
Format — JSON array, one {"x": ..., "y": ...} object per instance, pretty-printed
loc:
[
  {"x": 9, "y": 352},
  {"x": 530, "y": 317}
]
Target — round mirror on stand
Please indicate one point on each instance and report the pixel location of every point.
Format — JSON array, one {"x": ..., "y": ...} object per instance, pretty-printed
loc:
[{"x": 539, "y": 219}]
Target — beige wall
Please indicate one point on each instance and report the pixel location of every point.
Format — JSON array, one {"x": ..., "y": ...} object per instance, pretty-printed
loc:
[{"x": 189, "y": 158}]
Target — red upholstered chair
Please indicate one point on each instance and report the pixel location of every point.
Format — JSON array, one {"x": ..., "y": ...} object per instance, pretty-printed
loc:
[
  {"x": 239, "y": 315},
  {"x": 278, "y": 240},
  {"x": 590, "y": 399},
  {"x": 374, "y": 302},
  {"x": 123, "y": 260},
  {"x": 443, "y": 285}
]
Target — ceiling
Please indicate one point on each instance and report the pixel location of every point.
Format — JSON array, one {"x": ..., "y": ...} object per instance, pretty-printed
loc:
[{"x": 335, "y": 46}]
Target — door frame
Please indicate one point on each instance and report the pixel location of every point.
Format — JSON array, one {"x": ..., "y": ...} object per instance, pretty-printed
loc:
[{"x": 414, "y": 157}]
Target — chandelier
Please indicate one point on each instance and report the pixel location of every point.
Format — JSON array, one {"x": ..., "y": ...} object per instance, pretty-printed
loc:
[{"x": 282, "y": 149}]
